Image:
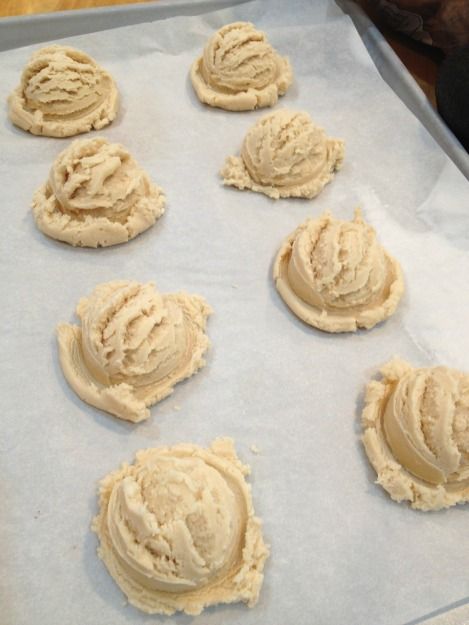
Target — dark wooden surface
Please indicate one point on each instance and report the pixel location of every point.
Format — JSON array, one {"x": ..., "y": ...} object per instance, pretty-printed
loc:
[{"x": 421, "y": 60}]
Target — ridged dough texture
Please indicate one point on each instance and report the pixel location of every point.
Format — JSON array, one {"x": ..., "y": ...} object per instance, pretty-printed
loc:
[
  {"x": 63, "y": 92},
  {"x": 96, "y": 196},
  {"x": 133, "y": 346},
  {"x": 177, "y": 529},
  {"x": 284, "y": 155},
  {"x": 239, "y": 70},
  {"x": 416, "y": 434},
  {"x": 335, "y": 276}
]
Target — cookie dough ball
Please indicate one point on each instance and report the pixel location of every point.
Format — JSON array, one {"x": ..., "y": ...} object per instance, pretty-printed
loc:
[
  {"x": 335, "y": 276},
  {"x": 96, "y": 196},
  {"x": 133, "y": 346},
  {"x": 177, "y": 529},
  {"x": 416, "y": 434},
  {"x": 284, "y": 155},
  {"x": 239, "y": 70},
  {"x": 63, "y": 92}
]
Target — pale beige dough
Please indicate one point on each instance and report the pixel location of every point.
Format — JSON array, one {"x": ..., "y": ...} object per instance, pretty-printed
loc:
[
  {"x": 133, "y": 346},
  {"x": 239, "y": 70},
  {"x": 284, "y": 155},
  {"x": 63, "y": 92},
  {"x": 96, "y": 196},
  {"x": 416, "y": 434},
  {"x": 177, "y": 529},
  {"x": 335, "y": 276}
]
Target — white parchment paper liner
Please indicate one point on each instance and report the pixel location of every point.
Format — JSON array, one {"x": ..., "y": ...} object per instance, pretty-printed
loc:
[{"x": 342, "y": 551}]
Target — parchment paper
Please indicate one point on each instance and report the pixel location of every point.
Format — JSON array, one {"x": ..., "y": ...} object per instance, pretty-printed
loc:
[{"x": 342, "y": 551}]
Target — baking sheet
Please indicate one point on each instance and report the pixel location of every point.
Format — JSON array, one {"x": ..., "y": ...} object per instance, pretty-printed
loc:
[
  {"x": 21, "y": 30},
  {"x": 404, "y": 84},
  {"x": 342, "y": 552}
]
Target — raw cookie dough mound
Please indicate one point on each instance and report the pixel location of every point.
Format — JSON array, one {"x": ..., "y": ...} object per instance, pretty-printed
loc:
[
  {"x": 416, "y": 434},
  {"x": 284, "y": 155},
  {"x": 63, "y": 92},
  {"x": 133, "y": 346},
  {"x": 335, "y": 276},
  {"x": 177, "y": 529},
  {"x": 239, "y": 70},
  {"x": 96, "y": 195}
]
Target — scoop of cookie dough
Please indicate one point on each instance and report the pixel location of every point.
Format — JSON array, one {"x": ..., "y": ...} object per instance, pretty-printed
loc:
[
  {"x": 63, "y": 92},
  {"x": 416, "y": 434},
  {"x": 177, "y": 529},
  {"x": 239, "y": 70},
  {"x": 335, "y": 276},
  {"x": 96, "y": 195},
  {"x": 284, "y": 155},
  {"x": 133, "y": 346}
]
